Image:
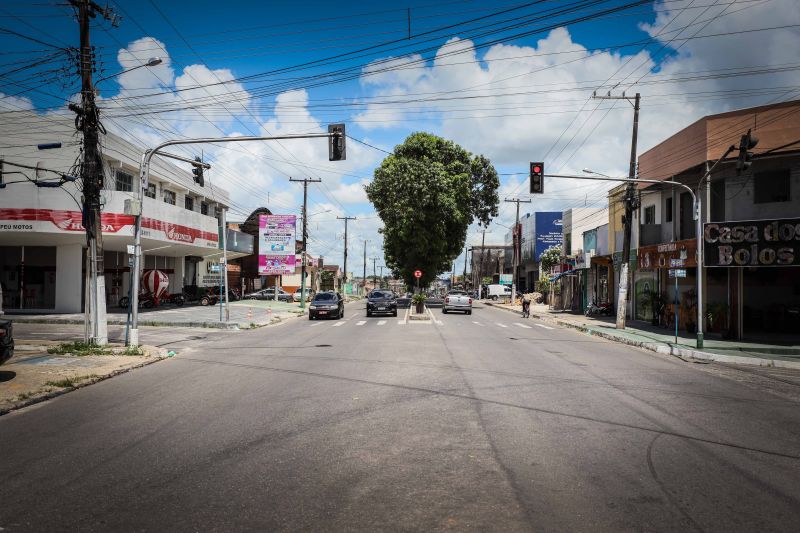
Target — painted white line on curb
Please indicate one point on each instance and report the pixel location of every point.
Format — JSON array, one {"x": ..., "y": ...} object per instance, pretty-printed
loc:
[
  {"x": 522, "y": 325},
  {"x": 502, "y": 325},
  {"x": 361, "y": 322},
  {"x": 543, "y": 326},
  {"x": 381, "y": 322}
]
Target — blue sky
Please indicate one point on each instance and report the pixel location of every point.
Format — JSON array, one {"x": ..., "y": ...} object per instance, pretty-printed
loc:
[{"x": 514, "y": 84}]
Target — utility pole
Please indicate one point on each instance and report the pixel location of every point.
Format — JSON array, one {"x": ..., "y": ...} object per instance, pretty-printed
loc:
[
  {"x": 364, "y": 276},
  {"x": 480, "y": 271},
  {"x": 516, "y": 236},
  {"x": 466, "y": 250},
  {"x": 305, "y": 238},
  {"x": 88, "y": 123},
  {"x": 630, "y": 205},
  {"x": 374, "y": 275},
  {"x": 344, "y": 276}
]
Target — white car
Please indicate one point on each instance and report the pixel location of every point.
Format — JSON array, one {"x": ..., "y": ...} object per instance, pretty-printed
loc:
[
  {"x": 457, "y": 301},
  {"x": 296, "y": 296}
]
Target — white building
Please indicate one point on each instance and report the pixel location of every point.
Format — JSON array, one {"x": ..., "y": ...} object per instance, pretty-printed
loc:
[{"x": 42, "y": 240}]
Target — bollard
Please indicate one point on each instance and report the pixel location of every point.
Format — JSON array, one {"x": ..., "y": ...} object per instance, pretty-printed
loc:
[
  {"x": 269, "y": 315},
  {"x": 249, "y": 314}
]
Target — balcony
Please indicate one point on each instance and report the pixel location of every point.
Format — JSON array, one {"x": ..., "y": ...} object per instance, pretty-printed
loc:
[{"x": 649, "y": 234}]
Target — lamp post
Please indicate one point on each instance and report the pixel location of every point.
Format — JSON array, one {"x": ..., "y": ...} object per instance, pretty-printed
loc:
[{"x": 152, "y": 62}]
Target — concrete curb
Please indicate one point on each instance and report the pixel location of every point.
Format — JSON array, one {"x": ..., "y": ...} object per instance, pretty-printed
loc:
[
  {"x": 54, "y": 394},
  {"x": 157, "y": 323},
  {"x": 700, "y": 356}
]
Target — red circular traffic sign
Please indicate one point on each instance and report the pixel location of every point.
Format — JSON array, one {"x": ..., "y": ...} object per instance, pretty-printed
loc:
[{"x": 418, "y": 274}]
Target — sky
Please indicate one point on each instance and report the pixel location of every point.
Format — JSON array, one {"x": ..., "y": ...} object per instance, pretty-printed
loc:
[{"x": 510, "y": 80}]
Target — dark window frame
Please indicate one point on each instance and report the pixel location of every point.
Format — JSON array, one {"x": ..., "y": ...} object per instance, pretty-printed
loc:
[
  {"x": 169, "y": 195},
  {"x": 668, "y": 210},
  {"x": 151, "y": 192},
  {"x": 125, "y": 184},
  {"x": 772, "y": 186},
  {"x": 650, "y": 214},
  {"x": 188, "y": 202}
]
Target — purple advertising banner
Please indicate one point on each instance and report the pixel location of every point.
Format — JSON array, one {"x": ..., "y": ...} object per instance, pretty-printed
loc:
[{"x": 276, "y": 244}]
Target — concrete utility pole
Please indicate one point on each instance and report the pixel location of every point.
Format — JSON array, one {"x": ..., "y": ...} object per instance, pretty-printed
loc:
[
  {"x": 92, "y": 173},
  {"x": 374, "y": 275},
  {"x": 344, "y": 274},
  {"x": 516, "y": 236},
  {"x": 364, "y": 276},
  {"x": 630, "y": 206},
  {"x": 305, "y": 181},
  {"x": 480, "y": 271}
]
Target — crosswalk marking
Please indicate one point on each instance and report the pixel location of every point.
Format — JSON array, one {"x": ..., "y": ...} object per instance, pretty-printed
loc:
[
  {"x": 338, "y": 324},
  {"x": 401, "y": 322},
  {"x": 522, "y": 325},
  {"x": 316, "y": 324},
  {"x": 361, "y": 322},
  {"x": 381, "y": 322},
  {"x": 543, "y": 326},
  {"x": 502, "y": 325},
  {"x": 477, "y": 323}
]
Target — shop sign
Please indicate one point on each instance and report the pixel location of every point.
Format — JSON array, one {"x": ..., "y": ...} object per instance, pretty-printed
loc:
[
  {"x": 677, "y": 272},
  {"x": 771, "y": 242},
  {"x": 276, "y": 244},
  {"x": 662, "y": 255},
  {"x": 506, "y": 279}
]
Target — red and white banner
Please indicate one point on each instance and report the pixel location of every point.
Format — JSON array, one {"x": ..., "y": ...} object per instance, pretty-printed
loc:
[{"x": 111, "y": 222}]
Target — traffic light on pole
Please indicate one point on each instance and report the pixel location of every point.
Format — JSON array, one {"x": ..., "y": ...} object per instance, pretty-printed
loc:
[
  {"x": 197, "y": 170},
  {"x": 337, "y": 149},
  {"x": 537, "y": 178},
  {"x": 747, "y": 143}
]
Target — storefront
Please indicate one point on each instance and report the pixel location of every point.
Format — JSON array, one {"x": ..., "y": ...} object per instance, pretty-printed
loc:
[{"x": 758, "y": 262}]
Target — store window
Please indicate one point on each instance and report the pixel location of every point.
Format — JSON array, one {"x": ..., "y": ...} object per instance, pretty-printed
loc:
[
  {"x": 169, "y": 197},
  {"x": 28, "y": 277},
  {"x": 204, "y": 208},
  {"x": 188, "y": 202},
  {"x": 151, "y": 191},
  {"x": 771, "y": 186},
  {"x": 668, "y": 211},
  {"x": 124, "y": 181}
]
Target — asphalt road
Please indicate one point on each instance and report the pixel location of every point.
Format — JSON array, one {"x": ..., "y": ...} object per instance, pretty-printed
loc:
[{"x": 483, "y": 423}]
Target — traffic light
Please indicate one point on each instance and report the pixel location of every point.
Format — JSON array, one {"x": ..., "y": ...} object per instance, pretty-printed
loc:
[
  {"x": 537, "y": 178},
  {"x": 337, "y": 149},
  {"x": 747, "y": 143},
  {"x": 197, "y": 170}
]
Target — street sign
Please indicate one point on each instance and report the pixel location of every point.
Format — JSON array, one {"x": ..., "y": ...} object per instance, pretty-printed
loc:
[
  {"x": 418, "y": 274},
  {"x": 506, "y": 279},
  {"x": 131, "y": 249},
  {"x": 677, "y": 272},
  {"x": 675, "y": 263}
]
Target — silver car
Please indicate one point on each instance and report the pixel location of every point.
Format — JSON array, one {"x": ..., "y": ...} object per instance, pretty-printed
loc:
[{"x": 457, "y": 301}]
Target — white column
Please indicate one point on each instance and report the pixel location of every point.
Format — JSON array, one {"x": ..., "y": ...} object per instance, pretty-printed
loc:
[{"x": 68, "y": 278}]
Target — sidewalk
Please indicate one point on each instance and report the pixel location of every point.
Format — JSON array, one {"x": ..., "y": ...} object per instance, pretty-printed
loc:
[
  {"x": 662, "y": 340},
  {"x": 244, "y": 314}
]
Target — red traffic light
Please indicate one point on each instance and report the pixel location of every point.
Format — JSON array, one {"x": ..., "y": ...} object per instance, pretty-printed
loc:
[{"x": 537, "y": 169}]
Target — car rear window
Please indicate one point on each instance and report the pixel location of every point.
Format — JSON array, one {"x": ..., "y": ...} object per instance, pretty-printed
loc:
[
  {"x": 380, "y": 294},
  {"x": 324, "y": 296},
  {"x": 457, "y": 293}
]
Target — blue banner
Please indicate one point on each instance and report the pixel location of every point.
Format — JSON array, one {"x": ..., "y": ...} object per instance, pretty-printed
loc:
[{"x": 548, "y": 231}]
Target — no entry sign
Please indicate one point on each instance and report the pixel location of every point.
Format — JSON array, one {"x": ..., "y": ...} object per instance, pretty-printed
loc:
[{"x": 418, "y": 274}]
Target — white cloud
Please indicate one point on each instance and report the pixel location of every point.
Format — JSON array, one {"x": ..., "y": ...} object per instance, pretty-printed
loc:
[{"x": 15, "y": 103}]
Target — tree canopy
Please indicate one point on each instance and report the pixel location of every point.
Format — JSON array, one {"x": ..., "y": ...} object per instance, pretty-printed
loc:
[{"x": 427, "y": 193}]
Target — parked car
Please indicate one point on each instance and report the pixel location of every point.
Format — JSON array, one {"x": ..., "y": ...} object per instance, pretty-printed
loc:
[
  {"x": 269, "y": 294},
  {"x": 381, "y": 302},
  {"x": 457, "y": 301},
  {"x": 6, "y": 340},
  {"x": 296, "y": 296},
  {"x": 326, "y": 304}
]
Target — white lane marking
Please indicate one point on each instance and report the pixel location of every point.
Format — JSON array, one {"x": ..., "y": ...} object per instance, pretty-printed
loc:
[
  {"x": 361, "y": 322},
  {"x": 522, "y": 325},
  {"x": 439, "y": 322},
  {"x": 316, "y": 324},
  {"x": 477, "y": 323},
  {"x": 502, "y": 325},
  {"x": 338, "y": 324},
  {"x": 401, "y": 322},
  {"x": 381, "y": 322},
  {"x": 543, "y": 326}
]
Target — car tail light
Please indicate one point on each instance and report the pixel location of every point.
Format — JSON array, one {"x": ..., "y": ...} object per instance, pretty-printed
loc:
[
  {"x": 447, "y": 300},
  {"x": 470, "y": 301}
]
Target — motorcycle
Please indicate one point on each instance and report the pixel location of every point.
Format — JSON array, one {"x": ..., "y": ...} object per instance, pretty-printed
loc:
[{"x": 605, "y": 309}]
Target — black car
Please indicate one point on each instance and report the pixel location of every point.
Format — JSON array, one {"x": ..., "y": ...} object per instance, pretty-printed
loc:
[
  {"x": 6, "y": 340},
  {"x": 381, "y": 302},
  {"x": 326, "y": 304}
]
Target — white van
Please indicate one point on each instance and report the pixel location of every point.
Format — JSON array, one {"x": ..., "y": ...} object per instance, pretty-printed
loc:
[{"x": 496, "y": 291}]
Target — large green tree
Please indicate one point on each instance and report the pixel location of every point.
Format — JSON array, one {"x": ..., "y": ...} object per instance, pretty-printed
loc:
[{"x": 427, "y": 193}]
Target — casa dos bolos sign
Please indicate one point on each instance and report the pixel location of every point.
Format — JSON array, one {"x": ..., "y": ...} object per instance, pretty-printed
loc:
[{"x": 752, "y": 243}]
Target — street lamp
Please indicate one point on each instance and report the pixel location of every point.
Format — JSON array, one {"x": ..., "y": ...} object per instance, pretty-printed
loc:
[{"x": 152, "y": 62}]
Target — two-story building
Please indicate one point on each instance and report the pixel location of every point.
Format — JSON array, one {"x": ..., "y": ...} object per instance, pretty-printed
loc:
[
  {"x": 42, "y": 239},
  {"x": 751, "y": 220}
]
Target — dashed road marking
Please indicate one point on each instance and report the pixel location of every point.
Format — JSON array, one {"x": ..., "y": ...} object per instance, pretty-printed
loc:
[
  {"x": 361, "y": 322},
  {"x": 316, "y": 324},
  {"x": 338, "y": 324},
  {"x": 401, "y": 322},
  {"x": 502, "y": 325},
  {"x": 522, "y": 325},
  {"x": 477, "y": 323},
  {"x": 381, "y": 322},
  {"x": 543, "y": 326}
]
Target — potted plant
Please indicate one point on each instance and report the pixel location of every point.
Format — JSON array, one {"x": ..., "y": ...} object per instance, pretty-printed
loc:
[{"x": 419, "y": 301}]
